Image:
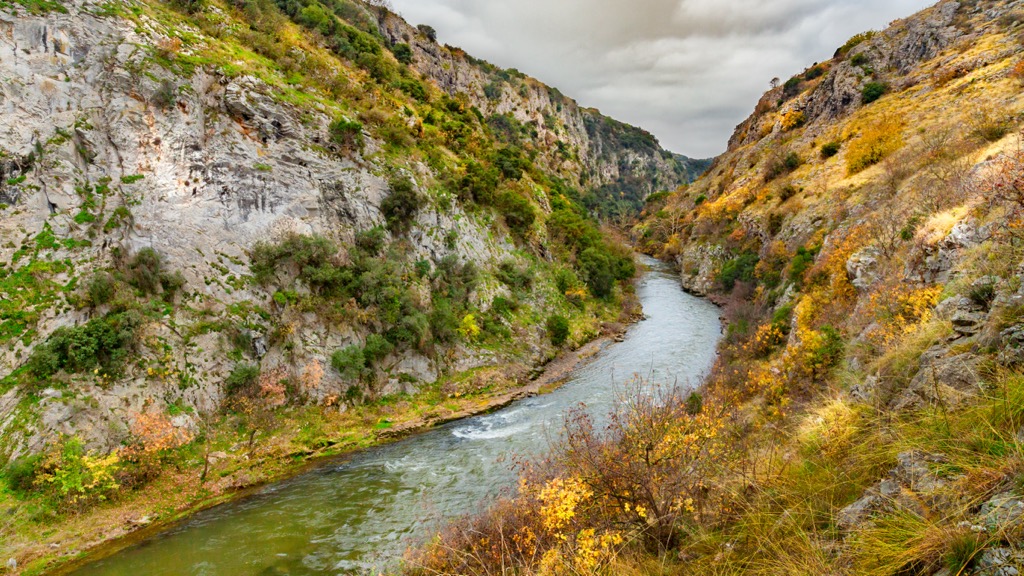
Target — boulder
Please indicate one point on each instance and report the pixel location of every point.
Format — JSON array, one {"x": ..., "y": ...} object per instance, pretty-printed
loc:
[{"x": 941, "y": 380}]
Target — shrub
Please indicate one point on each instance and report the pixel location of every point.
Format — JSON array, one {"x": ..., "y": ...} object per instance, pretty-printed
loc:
[
  {"x": 402, "y": 52},
  {"x": 428, "y": 31},
  {"x": 376, "y": 348},
  {"x": 597, "y": 272},
  {"x": 243, "y": 378},
  {"x": 479, "y": 183},
  {"x": 74, "y": 478},
  {"x": 372, "y": 241},
  {"x": 347, "y": 133},
  {"x": 873, "y": 91},
  {"x": 782, "y": 164},
  {"x": 814, "y": 72},
  {"x": 792, "y": 87},
  {"x": 401, "y": 205},
  {"x": 558, "y": 329},
  {"x": 100, "y": 289},
  {"x": 859, "y": 59},
  {"x": 510, "y": 162},
  {"x": 518, "y": 212},
  {"x": 350, "y": 362},
  {"x": 444, "y": 323},
  {"x": 802, "y": 261},
  {"x": 739, "y": 269},
  {"x": 20, "y": 473},
  {"x": 145, "y": 271},
  {"x": 513, "y": 276},
  {"x": 830, "y": 149},
  {"x": 700, "y": 200},
  {"x": 104, "y": 343}
]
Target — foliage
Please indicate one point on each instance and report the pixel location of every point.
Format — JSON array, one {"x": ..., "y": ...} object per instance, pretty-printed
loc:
[
  {"x": 350, "y": 362},
  {"x": 347, "y": 133},
  {"x": 103, "y": 344},
  {"x": 830, "y": 149},
  {"x": 558, "y": 329},
  {"x": 241, "y": 379},
  {"x": 873, "y": 91},
  {"x": 739, "y": 269},
  {"x": 401, "y": 205},
  {"x": 428, "y": 31},
  {"x": 146, "y": 272},
  {"x": 402, "y": 52},
  {"x": 74, "y": 478}
]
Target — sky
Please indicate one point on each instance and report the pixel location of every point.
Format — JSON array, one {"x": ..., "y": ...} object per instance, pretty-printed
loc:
[{"x": 688, "y": 71}]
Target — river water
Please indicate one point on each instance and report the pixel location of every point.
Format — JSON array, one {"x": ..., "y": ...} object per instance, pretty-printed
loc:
[{"x": 358, "y": 514}]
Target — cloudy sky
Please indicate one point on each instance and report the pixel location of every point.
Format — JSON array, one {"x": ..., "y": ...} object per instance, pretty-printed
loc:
[{"x": 687, "y": 70}]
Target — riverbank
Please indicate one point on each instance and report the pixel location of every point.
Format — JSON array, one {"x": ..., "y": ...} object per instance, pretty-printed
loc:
[{"x": 236, "y": 473}]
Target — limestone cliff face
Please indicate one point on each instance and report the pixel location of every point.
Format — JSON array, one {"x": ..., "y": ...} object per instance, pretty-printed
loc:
[
  {"x": 588, "y": 149},
  {"x": 115, "y": 136}
]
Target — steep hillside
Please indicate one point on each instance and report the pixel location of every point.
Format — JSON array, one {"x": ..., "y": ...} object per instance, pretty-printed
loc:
[
  {"x": 863, "y": 235},
  {"x": 235, "y": 235}
]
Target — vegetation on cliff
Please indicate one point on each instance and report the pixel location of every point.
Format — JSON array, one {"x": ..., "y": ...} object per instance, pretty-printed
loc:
[
  {"x": 257, "y": 232},
  {"x": 863, "y": 235}
]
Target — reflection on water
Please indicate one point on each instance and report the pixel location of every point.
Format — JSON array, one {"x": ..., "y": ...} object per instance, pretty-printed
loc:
[{"x": 360, "y": 514}]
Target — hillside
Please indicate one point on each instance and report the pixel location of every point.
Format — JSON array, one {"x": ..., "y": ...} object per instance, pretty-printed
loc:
[
  {"x": 235, "y": 236},
  {"x": 862, "y": 233}
]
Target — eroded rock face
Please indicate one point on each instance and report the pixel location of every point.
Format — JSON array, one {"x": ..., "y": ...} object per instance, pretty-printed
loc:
[
  {"x": 699, "y": 266},
  {"x": 943, "y": 379},
  {"x": 205, "y": 166}
]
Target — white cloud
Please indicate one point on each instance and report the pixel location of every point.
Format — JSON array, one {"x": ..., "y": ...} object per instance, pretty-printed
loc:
[{"x": 687, "y": 70}]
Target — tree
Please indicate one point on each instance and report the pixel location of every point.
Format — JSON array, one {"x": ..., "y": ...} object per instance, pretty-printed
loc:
[{"x": 428, "y": 31}]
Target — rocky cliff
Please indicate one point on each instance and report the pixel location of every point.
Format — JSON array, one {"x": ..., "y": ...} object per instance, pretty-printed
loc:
[
  {"x": 863, "y": 232},
  {"x": 146, "y": 150}
]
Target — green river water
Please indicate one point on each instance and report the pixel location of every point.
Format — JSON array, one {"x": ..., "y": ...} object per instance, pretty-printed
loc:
[{"x": 358, "y": 514}]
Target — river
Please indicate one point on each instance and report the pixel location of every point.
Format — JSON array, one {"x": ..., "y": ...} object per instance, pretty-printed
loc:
[{"x": 358, "y": 514}]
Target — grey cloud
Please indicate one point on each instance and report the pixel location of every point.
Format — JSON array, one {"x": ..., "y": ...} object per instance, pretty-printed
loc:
[{"x": 687, "y": 70}]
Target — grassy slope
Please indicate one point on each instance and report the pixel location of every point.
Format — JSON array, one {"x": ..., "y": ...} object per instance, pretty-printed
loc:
[{"x": 782, "y": 445}]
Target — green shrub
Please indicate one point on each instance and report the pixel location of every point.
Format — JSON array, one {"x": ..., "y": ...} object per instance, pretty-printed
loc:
[
  {"x": 802, "y": 261},
  {"x": 792, "y": 87},
  {"x": 104, "y": 343},
  {"x": 100, "y": 289},
  {"x": 350, "y": 362},
  {"x": 518, "y": 212},
  {"x": 830, "y": 149},
  {"x": 510, "y": 162},
  {"x": 444, "y": 322},
  {"x": 596, "y": 266},
  {"x": 376, "y": 348},
  {"x": 242, "y": 379},
  {"x": 371, "y": 241},
  {"x": 558, "y": 329},
  {"x": 402, "y": 52},
  {"x": 700, "y": 200},
  {"x": 518, "y": 278},
  {"x": 739, "y": 269},
  {"x": 814, "y": 72},
  {"x": 428, "y": 31},
  {"x": 401, "y": 205},
  {"x": 479, "y": 183},
  {"x": 347, "y": 133},
  {"x": 873, "y": 91},
  {"x": 20, "y": 474},
  {"x": 859, "y": 59}
]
